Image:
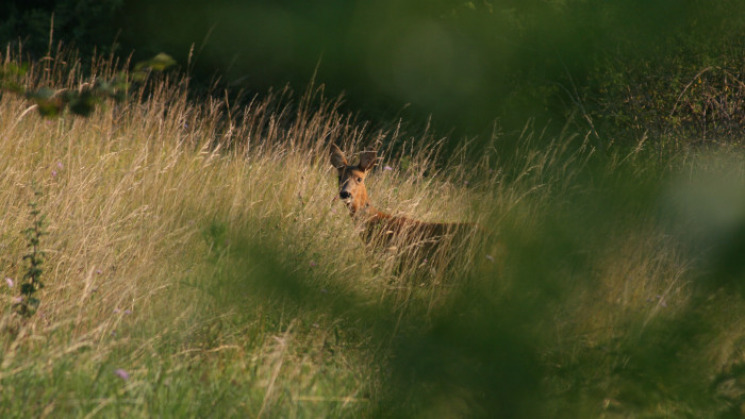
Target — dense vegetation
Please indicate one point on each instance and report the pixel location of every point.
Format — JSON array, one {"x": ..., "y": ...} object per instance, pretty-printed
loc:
[
  {"x": 175, "y": 251},
  {"x": 667, "y": 68}
]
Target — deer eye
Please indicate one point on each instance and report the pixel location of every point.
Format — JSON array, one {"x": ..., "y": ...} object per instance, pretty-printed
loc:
[{"x": 359, "y": 179}]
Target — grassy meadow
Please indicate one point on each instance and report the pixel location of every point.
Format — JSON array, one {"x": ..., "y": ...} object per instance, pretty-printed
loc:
[{"x": 197, "y": 264}]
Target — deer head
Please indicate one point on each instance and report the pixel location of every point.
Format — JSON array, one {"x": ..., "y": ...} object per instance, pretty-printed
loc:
[{"x": 352, "y": 190}]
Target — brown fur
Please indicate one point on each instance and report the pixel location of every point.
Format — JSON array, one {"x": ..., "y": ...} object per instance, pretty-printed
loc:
[{"x": 384, "y": 230}]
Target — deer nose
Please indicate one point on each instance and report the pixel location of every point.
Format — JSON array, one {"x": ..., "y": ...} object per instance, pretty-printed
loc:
[{"x": 345, "y": 195}]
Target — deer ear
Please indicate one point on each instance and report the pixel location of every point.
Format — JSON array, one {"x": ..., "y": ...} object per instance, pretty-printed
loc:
[
  {"x": 337, "y": 157},
  {"x": 367, "y": 160}
]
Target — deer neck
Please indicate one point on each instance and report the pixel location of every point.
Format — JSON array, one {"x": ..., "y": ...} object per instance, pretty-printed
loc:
[{"x": 368, "y": 213}]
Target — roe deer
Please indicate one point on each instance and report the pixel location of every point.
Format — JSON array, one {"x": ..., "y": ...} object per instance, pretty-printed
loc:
[{"x": 413, "y": 238}]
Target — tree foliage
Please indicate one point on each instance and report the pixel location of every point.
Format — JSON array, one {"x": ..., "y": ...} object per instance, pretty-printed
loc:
[
  {"x": 608, "y": 67},
  {"x": 86, "y": 24}
]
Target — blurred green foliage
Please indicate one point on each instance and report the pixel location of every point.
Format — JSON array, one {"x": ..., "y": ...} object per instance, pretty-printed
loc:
[
  {"x": 611, "y": 67},
  {"x": 507, "y": 342},
  {"x": 83, "y": 101},
  {"x": 466, "y": 63}
]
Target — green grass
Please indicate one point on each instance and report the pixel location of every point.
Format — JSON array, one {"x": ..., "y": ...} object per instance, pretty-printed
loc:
[{"x": 197, "y": 265}]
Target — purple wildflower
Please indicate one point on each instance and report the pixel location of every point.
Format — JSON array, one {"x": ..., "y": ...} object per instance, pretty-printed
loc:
[
  {"x": 10, "y": 282},
  {"x": 124, "y": 375},
  {"x": 59, "y": 166}
]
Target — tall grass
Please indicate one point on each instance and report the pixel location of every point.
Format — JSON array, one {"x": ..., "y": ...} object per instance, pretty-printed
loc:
[{"x": 199, "y": 265}]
